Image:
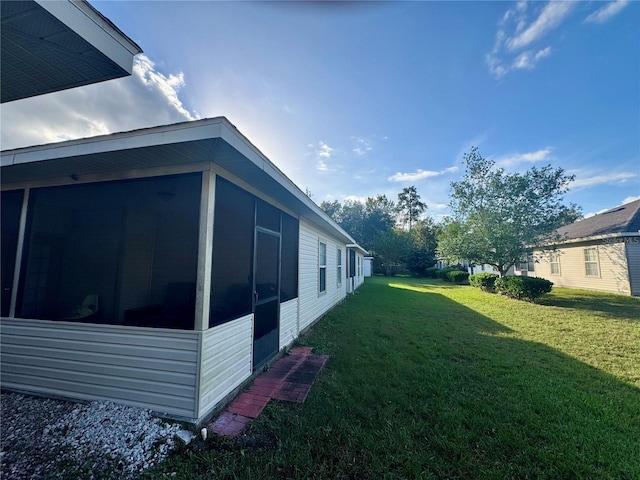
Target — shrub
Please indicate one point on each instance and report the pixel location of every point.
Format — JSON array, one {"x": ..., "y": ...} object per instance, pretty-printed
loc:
[
  {"x": 443, "y": 273},
  {"x": 456, "y": 276},
  {"x": 523, "y": 288},
  {"x": 431, "y": 272},
  {"x": 484, "y": 281}
]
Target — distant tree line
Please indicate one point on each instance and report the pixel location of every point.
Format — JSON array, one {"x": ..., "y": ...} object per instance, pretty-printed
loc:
[
  {"x": 496, "y": 219},
  {"x": 393, "y": 232}
]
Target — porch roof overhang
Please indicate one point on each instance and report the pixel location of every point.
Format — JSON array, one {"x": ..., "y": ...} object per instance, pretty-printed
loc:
[
  {"x": 213, "y": 140},
  {"x": 50, "y": 46}
]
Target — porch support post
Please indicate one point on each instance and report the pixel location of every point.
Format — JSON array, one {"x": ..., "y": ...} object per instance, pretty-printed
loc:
[
  {"x": 205, "y": 249},
  {"x": 19, "y": 252}
]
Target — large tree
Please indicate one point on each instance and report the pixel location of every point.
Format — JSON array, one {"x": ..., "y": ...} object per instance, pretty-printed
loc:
[
  {"x": 409, "y": 206},
  {"x": 497, "y": 216},
  {"x": 422, "y": 253},
  {"x": 391, "y": 249},
  {"x": 364, "y": 221}
]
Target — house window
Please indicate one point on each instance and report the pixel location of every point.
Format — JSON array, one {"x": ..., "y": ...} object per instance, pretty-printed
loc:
[
  {"x": 322, "y": 263},
  {"x": 527, "y": 264},
  {"x": 352, "y": 263},
  {"x": 591, "y": 262},
  {"x": 530, "y": 263},
  {"x": 555, "y": 263},
  {"x": 339, "y": 268}
]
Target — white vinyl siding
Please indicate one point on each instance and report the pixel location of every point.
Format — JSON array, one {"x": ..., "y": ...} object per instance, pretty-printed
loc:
[
  {"x": 311, "y": 305},
  {"x": 143, "y": 367},
  {"x": 288, "y": 322},
  {"x": 591, "y": 262},
  {"x": 226, "y": 361}
]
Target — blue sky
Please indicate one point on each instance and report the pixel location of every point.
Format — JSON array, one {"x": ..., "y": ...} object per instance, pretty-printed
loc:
[{"x": 356, "y": 99}]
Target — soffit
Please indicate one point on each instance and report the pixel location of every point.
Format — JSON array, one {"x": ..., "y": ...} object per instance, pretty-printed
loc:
[{"x": 40, "y": 53}]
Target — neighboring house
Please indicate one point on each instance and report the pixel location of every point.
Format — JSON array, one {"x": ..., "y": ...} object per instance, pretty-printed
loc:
[
  {"x": 472, "y": 268},
  {"x": 160, "y": 267},
  {"x": 601, "y": 252},
  {"x": 368, "y": 266}
]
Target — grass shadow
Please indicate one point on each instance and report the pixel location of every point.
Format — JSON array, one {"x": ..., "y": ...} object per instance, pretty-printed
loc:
[{"x": 609, "y": 304}]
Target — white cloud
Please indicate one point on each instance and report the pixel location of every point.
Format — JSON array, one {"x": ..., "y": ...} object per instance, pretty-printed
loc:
[
  {"x": 550, "y": 18},
  {"x": 323, "y": 150},
  {"x": 590, "y": 181},
  {"x": 605, "y": 13},
  {"x": 528, "y": 59},
  {"x": 630, "y": 199},
  {"x": 419, "y": 175},
  {"x": 355, "y": 198},
  {"x": 322, "y": 153},
  {"x": 530, "y": 157},
  {"x": 147, "y": 98},
  {"x": 362, "y": 146},
  {"x": 517, "y": 31},
  {"x": 413, "y": 176}
]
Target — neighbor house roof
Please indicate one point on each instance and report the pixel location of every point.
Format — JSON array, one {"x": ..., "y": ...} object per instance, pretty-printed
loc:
[
  {"x": 49, "y": 46},
  {"x": 208, "y": 140},
  {"x": 618, "y": 220}
]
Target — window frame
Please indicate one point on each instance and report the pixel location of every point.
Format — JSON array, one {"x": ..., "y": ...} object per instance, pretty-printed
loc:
[
  {"x": 591, "y": 262},
  {"x": 554, "y": 259},
  {"x": 322, "y": 267},
  {"x": 338, "y": 267},
  {"x": 531, "y": 263}
]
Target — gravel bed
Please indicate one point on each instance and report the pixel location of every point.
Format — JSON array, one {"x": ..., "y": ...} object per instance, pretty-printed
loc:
[{"x": 55, "y": 439}]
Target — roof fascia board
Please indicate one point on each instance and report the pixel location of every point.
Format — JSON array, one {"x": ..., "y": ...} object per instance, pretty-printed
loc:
[
  {"x": 589, "y": 239},
  {"x": 87, "y": 22},
  {"x": 358, "y": 247},
  {"x": 164, "y": 135}
]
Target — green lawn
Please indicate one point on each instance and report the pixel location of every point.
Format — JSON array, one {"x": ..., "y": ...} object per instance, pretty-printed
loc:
[{"x": 432, "y": 380}]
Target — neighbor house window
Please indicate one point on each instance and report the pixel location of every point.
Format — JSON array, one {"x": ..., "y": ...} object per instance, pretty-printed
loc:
[
  {"x": 555, "y": 263},
  {"x": 527, "y": 264},
  {"x": 591, "y": 262},
  {"x": 339, "y": 267},
  {"x": 322, "y": 263},
  {"x": 530, "y": 263}
]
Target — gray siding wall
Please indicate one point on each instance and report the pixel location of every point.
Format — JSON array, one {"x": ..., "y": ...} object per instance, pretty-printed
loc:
[
  {"x": 144, "y": 367},
  {"x": 633, "y": 258},
  {"x": 226, "y": 361}
]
